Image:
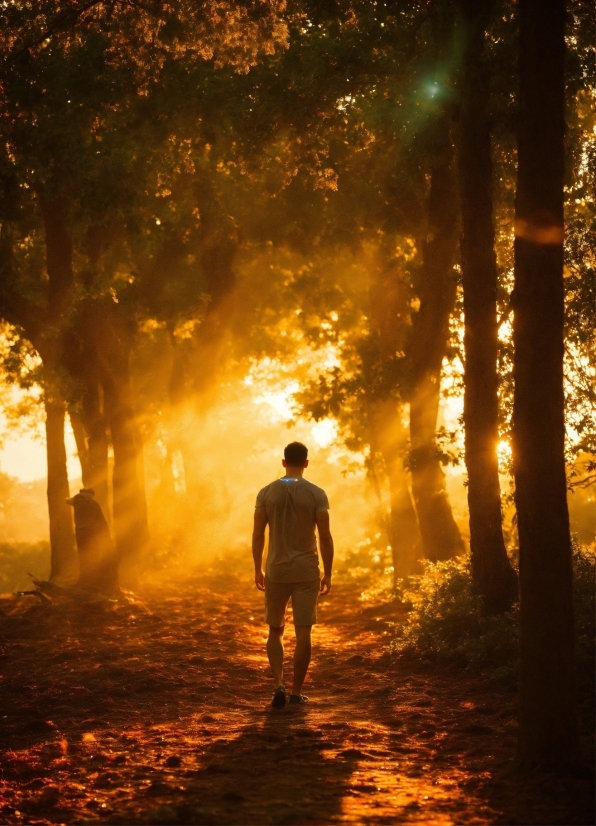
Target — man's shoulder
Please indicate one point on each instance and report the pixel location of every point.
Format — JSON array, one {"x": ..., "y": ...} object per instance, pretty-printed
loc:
[
  {"x": 268, "y": 487},
  {"x": 314, "y": 488}
]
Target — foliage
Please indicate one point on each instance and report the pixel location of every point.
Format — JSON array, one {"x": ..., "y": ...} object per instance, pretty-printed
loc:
[
  {"x": 585, "y": 613},
  {"x": 446, "y": 621},
  {"x": 18, "y": 560},
  {"x": 369, "y": 564}
]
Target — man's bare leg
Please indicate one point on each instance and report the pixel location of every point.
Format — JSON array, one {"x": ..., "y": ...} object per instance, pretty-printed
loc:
[
  {"x": 301, "y": 656},
  {"x": 275, "y": 652}
]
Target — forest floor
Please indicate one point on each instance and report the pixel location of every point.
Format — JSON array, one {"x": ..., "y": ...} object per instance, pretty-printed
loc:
[{"x": 159, "y": 712}]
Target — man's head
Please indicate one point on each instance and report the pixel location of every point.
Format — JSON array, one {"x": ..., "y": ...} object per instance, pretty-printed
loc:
[{"x": 295, "y": 455}]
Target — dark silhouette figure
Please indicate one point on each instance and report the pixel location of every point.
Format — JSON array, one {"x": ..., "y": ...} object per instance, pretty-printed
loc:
[{"x": 97, "y": 556}]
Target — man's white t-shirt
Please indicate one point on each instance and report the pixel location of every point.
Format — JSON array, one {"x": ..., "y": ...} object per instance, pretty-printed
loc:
[{"x": 291, "y": 504}]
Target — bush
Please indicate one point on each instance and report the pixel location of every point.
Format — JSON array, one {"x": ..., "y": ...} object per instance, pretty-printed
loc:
[
  {"x": 446, "y": 622},
  {"x": 584, "y": 585}
]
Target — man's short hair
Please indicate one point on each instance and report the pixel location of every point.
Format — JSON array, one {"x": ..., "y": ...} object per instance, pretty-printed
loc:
[{"x": 296, "y": 454}]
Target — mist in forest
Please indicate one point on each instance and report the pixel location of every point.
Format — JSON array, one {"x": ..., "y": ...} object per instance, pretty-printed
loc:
[{"x": 205, "y": 459}]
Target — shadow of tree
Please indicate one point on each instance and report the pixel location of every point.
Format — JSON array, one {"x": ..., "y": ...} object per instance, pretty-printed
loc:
[{"x": 259, "y": 776}]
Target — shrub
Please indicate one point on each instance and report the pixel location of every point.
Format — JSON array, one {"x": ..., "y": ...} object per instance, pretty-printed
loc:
[
  {"x": 584, "y": 572},
  {"x": 446, "y": 622}
]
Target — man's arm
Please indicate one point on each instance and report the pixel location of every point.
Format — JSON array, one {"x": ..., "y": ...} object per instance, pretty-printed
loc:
[
  {"x": 326, "y": 546},
  {"x": 258, "y": 545}
]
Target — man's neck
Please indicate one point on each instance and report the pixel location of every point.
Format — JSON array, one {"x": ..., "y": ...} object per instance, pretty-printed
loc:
[{"x": 295, "y": 472}]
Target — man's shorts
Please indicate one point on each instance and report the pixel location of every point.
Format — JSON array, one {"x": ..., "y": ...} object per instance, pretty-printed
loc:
[{"x": 304, "y": 597}]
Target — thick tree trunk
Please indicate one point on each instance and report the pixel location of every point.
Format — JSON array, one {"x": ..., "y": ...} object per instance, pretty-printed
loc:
[
  {"x": 547, "y": 713},
  {"x": 64, "y": 566},
  {"x": 441, "y": 538},
  {"x": 58, "y": 243},
  {"x": 89, "y": 376},
  {"x": 78, "y": 430},
  {"x": 406, "y": 543},
  {"x": 93, "y": 417},
  {"x": 493, "y": 576},
  {"x": 389, "y": 296},
  {"x": 130, "y": 512},
  {"x": 129, "y": 503},
  {"x": 89, "y": 428},
  {"x": 390, "y": 440}
]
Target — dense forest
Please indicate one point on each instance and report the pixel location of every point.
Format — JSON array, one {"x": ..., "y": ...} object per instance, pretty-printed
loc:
[{"x": 377, "y": 217}]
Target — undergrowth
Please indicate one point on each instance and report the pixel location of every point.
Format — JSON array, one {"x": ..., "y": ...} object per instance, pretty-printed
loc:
[
  {"x": 18, "y": 560},
  {"x": 446, "y": 622}
]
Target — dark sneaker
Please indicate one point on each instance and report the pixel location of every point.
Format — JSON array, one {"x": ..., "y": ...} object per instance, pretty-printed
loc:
[
  {"x": 279, "y": 697},
  {"x": 295, "y": 699}
]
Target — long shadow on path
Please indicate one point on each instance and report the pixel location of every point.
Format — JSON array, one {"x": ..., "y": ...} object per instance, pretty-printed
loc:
[{"x": 276, "y": 771}]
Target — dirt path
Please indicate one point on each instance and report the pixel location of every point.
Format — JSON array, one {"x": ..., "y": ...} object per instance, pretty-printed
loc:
[{"x": 160, "y": 715}]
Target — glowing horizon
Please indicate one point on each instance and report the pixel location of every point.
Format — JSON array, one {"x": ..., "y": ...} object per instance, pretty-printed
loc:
[{"x": 23, "y": 456}]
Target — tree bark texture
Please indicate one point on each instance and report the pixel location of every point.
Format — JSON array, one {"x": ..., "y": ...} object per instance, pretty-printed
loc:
[
  {"x": 389, "y": 313},
  {"x": 389, "y": 440},
  {"x": 404, "y": 532},
  {"x": 441, "y": 538},
  {"x": 81, "y": 361},
  {"x": 547, "y": 712},
  {"x": 58, "y": 243},
  {"x": 89, "y": 427},
  {"x": 128, "y": 493},
  {"x": 64, "y": 566},
  {"x": 78, "y": 430},
  {"x": 494, "y": 578},
  {"x": 93, "y": 417}
]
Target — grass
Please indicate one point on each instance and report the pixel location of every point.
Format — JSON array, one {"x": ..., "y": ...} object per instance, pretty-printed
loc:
[{"x": 18, "y": 559}]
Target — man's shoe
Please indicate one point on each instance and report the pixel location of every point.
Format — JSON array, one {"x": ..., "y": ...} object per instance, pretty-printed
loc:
[
  {"x": 295, "y": 699},
  {"x": 279, "y": 697}
]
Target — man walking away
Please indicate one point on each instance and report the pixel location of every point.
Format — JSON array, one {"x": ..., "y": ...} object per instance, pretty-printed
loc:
[{"x": 292, "y": 507}]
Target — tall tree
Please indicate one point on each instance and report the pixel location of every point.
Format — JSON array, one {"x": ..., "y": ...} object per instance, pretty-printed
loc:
[
  {"x": 547, "y": 712},
  {"x": 441, "y": 538},
  {"x": 58, "y": 244},
  {"x": 493, "y": 576},
  {"x": 73, "y": 82},
  {"x": 389, "y": 319},
  {"x": 38, "y": 310}
]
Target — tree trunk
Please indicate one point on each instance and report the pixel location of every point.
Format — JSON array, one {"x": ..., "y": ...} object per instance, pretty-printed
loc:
[
  {"x": 64, "y": 567},
  {"x": 390, "y": 440},
  {"x": 78, "y": 430},
  {"x": 129, "y": 503},
  {"x": 389, "y": 296},
  {"x": 493, "y": 576},
  {"x": 58, "y": 243},
  {"x": 406, "y": 542},
  {"x": 93, "y": 417},
  {"x": 548, "y": 735},
  {"x": 441, "y": 538}
]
